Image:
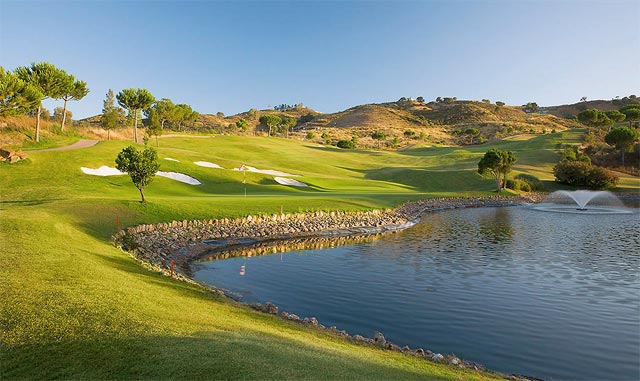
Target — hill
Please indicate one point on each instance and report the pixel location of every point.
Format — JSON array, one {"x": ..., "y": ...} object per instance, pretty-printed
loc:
[
  {"x": 408, "y": 122},
  {"x": 571, "y": 110}
]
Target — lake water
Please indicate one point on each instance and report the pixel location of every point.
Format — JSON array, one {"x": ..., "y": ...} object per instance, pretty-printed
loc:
[{"x": 550, "y": 295}]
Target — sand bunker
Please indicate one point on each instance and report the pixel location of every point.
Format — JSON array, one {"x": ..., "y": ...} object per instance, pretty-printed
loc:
[
  {"x": 109, "y": 171},
  {"x": 179, "y": 177},
  {"x": 170, "y": 159},
  {"x": 291, "y": 182},
  {"x": 207, "y": 164},
  {"x": 102, "y": 171},
  {"x": 265, "y": 171}
]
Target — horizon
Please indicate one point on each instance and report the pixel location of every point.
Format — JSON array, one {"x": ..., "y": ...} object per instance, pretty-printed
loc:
[{"x": 257, "y": 55}]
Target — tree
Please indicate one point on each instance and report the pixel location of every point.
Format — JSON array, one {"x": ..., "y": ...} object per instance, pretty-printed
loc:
[
  {"x": 60, "y": 114},
  {"x": 135, "y": 100},
  {"x": 472, "y": 132},
  {"x": 632, "y": 113},
  {"x": 48, "y": 79},
  {"x": 615, "y": 116},
  {"x": 220, "y": 114},
  {"x": 242, "y": 124},
  {"x": 182, "y": 114},
  {"x": 379, "y": 136},
  {"x": 270, "y": 121},
  {"x": 420, "y": 99},
  {"x": 72, "y": 91},
  {"x": 154, "y": 126},
  {"x": 141, "y": 166},
  {"x": 594, "y": 118},
  {"x": 583, "y": 99},
  {"x": 17, "y": 97},
  {"x": 112, "y": 116},
  {"x": 497, "y": 163},
  {"x": 531, "y": 107},
  {"x": 287, "y": 123},
  {"x": 622, "y": 138}
]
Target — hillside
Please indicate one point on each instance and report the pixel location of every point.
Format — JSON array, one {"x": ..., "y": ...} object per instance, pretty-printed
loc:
[
  {"x": 408, "y": 122},
  {"x": 570, "y": 110},
  {"x": 435, "y": 123}
]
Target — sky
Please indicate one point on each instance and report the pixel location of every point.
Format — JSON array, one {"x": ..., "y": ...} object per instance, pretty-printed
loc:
[{"x": 232, "y": 56}]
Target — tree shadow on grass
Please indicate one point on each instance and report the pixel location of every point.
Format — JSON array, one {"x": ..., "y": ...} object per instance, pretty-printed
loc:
[{"x": 246, "y": 354}]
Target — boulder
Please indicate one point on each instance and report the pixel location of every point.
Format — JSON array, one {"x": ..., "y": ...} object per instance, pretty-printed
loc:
[
  {"x": 271, "y": 308},
  {"x": 379, "y": 339}
]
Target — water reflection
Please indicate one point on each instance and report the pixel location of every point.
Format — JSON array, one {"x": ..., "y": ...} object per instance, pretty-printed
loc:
[
  {"x": 285, "y": 246},
  {"x": 495, "y": 225}
]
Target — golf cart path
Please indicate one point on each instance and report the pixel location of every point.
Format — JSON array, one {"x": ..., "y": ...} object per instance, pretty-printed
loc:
[{"x": 82, "y": 143}]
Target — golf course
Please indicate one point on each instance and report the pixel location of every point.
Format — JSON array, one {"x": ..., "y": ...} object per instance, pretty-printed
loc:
[{"x": 77, "y": 307}]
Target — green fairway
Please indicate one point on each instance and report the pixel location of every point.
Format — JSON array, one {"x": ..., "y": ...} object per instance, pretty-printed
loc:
[{"x": 77, "y": 307}]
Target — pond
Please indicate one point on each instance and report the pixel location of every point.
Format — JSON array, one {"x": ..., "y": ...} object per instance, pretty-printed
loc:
[{"x": 550, "y": 295}]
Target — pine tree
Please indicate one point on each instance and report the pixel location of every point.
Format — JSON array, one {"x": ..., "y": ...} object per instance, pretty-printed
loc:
[{"x": 112, "y": 116}]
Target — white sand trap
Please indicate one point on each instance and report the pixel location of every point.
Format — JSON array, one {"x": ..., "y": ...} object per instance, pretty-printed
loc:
[
  {"x": 102, "y": 171},
  {"x": 179, "y": 177},
  {"x": 109, "y": 171},
  {"x": 207, "y": 164},
  {"x": 265, "y": 171},
  {"x": 170, "y": 159},
  {"x": 291, "y": 182}
]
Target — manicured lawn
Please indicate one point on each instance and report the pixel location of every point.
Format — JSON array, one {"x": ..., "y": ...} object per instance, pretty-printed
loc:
[{"x": 76, "y": 307}]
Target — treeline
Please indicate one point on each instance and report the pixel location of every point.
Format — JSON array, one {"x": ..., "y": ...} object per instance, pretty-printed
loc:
[
  {"x": 160, "y": 114},
  {"x": 23, "y": 90},
  {"x": 608, "y": 140}
]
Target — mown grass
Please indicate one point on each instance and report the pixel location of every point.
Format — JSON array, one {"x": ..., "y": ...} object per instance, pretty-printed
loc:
[{"x": 76, "y": 307}]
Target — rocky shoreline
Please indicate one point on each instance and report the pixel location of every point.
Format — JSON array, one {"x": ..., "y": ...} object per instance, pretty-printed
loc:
[{"x": 181, "y": 242}]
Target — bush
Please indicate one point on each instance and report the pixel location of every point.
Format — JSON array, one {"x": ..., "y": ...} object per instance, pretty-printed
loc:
[
  {"x": 310, "y": 135},
  {"x": 518, "y": 185},
  {"x": 534, "y": 183},
  {"x": 347, "y": 144},
  {"x": 409, "y": 133},
  {"x": 581, "y": 174}
]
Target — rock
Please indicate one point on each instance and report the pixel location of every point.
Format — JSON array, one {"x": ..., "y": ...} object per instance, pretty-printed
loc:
[
  {"x": 358, "y": 338},
  {"x": 271, "y": 308},
  {"x": 313, "y": 321},
  {"x": 406, "y": 349},
  {"x": 454, "y": 360},
  {"x": 393, "y": 347},
  {"x": 379, "y": 339},
  {"x": 437, "y": 357},
  {"x": 419, "y": 352}
]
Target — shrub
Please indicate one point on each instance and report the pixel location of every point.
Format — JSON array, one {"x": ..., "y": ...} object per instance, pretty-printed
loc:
[
  {"x": 310, "y": 135},
  {"x": 324, "y": 135},
  {"x": 581, "y": 174},
  {"x": 534, "y": 183},
  {"x": 409, "y": 133},
  {"x": 347, "y": 144},
  {"x": 518, "y": 185}
]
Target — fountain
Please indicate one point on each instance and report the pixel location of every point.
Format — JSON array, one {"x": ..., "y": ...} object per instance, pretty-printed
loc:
[{"x": 598, "y": 202}]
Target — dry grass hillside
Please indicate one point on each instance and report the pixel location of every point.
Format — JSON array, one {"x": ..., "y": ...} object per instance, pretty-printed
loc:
[
  {"x": 404, "y": 123},
  {"x": 571, "y": 110},
  {"x": 410, "y": 122}
]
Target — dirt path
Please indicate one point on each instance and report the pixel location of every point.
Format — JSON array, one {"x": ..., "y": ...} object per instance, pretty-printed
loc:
[{"x": 82, "y": 143}]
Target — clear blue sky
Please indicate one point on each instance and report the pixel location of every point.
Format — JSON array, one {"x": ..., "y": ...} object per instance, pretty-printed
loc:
[{"x": 223, "y": 56}]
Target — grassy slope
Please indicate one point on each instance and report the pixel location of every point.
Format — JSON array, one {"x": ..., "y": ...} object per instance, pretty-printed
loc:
[{"x": 77, "y": 307}]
